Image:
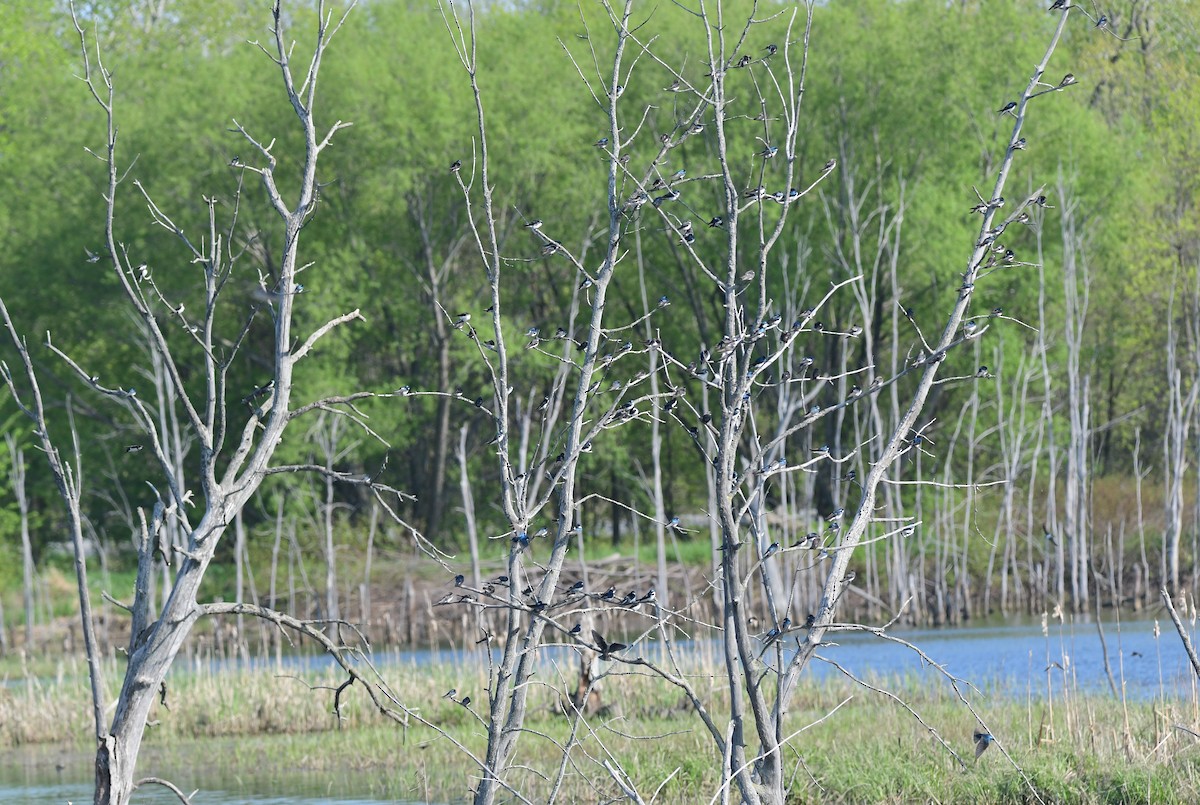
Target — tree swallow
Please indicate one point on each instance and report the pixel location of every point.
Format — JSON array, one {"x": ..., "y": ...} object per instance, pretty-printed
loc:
[
  {"x": 607, "y": 649},
  {"x": 1009, "y": 108},
  {"x": 982, "y": 741}
]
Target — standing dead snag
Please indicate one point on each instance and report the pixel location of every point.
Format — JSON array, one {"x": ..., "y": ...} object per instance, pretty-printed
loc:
[
  {"x": 803, "y": 356},
  {"x": 234, "y": 459}
]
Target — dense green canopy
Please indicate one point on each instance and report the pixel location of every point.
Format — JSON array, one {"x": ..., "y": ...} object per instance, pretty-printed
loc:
[{"x": 901, "y": 93}]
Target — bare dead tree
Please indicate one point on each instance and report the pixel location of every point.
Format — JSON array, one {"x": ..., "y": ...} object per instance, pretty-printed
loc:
[
  {"x": 1076, "y": 287},
  {"x": 761, "y": 393},
  {"x": 17, "y": 475},
  {"x": 237, "y": 433}
]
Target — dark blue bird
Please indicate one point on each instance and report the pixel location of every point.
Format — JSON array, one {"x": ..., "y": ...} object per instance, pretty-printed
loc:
[{"x": 982, "y": 741}]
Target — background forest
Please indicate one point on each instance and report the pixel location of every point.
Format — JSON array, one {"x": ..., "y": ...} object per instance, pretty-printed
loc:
[{"x": 1069, "y": 429}]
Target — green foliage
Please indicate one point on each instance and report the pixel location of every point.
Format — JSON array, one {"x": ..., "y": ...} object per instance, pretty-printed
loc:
[{"x": 917, "y": 123}]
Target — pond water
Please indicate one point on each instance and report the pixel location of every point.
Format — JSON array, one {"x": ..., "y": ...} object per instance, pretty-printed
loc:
[
  {"x": 1017, "y": 657},
  {"x": 47, "y": 776},
  {"x": 1014, "y": 655},
  {"x": 1010, "y": 658}
]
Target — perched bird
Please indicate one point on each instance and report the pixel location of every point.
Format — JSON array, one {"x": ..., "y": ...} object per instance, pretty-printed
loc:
[
  {"x": 133, "y": 448},
  {"x": 769, "y": 151},
  {"x": 676, "y": 86},
  {"x": 649, "y": 597},
  {"x": 1102, "y": 22},
  {"x": 576, "y": 629},
  {"x": 744, "y": 61},
  {"x": 1009, "y": 108},
  {"x": 459, "y": 579},
  {"x": 810, "y": 621},
  {"x": 601, "y": 143},
  {"x": 834, "y": 515},
  {"x": 535, "y": 224},
  {"x": 670, "y": 195},
  {"x": 982, "y": 741},
  {"x": 1019, "y": 145},
  {"x": 466, "y": 701},
  {"x": 450, "y": 694},
  {"x": 1058, "y": 5},
  {"x": 607, "y": 649},
  {"x": 830, "y": 165},
  {"x": 629, "y": 598},
  {"x": 970, "y": 329},
  {"x": 771, "y": 50},
  {"x": 982, "y": 372},
  {"x": 771, "y": 550},
  {"x": 716, "y": 222},
  {"x": 609, "y": 594},
  {"x": 575, "y": 588},
  {"x": 1068, "y": 80}
]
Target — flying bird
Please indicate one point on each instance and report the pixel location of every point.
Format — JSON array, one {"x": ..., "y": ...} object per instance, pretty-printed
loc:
[
  {"x": 607, "y": 649},
  {"x": 982, "y": 741}
]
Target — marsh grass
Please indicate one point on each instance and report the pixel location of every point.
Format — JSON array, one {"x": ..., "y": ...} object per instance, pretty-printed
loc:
[{"x": 1078, "y": 748}]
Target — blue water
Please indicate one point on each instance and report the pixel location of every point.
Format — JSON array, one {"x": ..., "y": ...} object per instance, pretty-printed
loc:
[
  {"x": 1012, "y": 655},
  {"x": 1015, "y": 657}
]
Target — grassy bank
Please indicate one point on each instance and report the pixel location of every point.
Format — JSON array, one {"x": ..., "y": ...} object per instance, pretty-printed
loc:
[{"x": 1078, "y": 748}]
